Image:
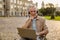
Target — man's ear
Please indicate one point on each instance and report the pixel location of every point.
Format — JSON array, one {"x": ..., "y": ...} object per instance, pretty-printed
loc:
[
  {"x": 28, "y": 12},
  {"x": 37, "y": 12}
]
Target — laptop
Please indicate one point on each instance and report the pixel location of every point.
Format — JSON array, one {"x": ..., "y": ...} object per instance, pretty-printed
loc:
[{"x": 26, "y": 33}]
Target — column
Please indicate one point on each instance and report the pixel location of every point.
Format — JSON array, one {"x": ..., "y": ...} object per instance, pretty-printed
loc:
[
  {"x": 13, "y": 9},
  {"x": 6, "y": 8}
]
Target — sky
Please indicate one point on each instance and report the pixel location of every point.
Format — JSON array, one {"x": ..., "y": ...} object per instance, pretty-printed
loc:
[{"x": 55, "y": 2}]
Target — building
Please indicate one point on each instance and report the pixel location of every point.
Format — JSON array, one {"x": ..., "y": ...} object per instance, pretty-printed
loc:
[
  {"x": 42, "y": 4},
  {"x": 1, "y": 8},
  {"x": 14, "y": 7}
]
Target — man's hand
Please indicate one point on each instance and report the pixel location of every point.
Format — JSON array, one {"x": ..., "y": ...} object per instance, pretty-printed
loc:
[
  {"x": 37, "y": 33},
  {"x": 31, "y": 18}
]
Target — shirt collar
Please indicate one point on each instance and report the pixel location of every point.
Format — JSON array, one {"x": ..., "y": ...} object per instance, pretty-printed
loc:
[{"x": 37, "y": 17}]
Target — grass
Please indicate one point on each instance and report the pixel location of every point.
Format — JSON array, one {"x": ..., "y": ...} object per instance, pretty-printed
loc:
[{"x": 56, "y": 18}]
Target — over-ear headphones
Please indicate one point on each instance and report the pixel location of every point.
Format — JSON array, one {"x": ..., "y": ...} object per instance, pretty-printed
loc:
[
  {"x": 29, "y": 12},
  {"x": 37, "y": 12}
]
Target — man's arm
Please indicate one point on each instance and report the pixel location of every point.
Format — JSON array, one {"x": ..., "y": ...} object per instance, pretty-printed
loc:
[
  {"x": 27, "y": 23},
  {"x": 45, "y": 29}
]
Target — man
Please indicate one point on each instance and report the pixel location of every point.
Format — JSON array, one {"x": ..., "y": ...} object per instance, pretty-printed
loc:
[{"x": 36, "y": 23}]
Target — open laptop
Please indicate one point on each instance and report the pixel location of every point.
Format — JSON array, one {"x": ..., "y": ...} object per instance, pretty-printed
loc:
[{"x": 27, "y": 33}]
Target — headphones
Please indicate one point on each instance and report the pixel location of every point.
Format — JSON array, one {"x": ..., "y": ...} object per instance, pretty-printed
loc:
[{"x": 29, "y": 12}]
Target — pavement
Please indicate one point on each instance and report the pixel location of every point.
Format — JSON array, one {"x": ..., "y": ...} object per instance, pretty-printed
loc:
[
  {"x": 54, "y": 30},
  {"x": 9, "y": 25}
]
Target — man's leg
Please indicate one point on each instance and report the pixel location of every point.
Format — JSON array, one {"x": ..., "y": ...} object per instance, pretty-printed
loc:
[
  {"x": 26, "y": 39},
  {"x": 40, "y": 38}
]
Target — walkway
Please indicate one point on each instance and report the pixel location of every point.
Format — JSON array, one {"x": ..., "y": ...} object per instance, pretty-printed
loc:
[{"x": 8, "y": 27}]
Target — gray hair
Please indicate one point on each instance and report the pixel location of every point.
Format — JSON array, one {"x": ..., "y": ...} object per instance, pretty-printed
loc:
[{"x": 32, "y": 6}]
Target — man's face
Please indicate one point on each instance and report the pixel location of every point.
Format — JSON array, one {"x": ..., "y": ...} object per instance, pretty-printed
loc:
[{"x": 33, "y": 11}]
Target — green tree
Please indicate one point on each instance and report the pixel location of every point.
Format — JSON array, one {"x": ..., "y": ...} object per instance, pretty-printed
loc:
[
  {"x": 52, "y": 10},
  {"x": 57, "y": 13},
  {"x": 42, "y": 10},
  {"x": 48, "y": 10}
]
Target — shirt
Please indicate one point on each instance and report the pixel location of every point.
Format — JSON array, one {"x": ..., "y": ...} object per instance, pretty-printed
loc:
[
  {"x": 34, "y": 27},
  {"x": 34, "y": 24}
]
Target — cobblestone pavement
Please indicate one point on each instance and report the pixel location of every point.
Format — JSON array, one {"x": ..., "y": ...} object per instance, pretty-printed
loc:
[
  {"x": 54, "y": 30},
  {"x": 8, "y": 28}
]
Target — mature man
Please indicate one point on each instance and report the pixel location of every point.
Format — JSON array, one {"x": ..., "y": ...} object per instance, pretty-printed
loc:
[{"x": 36, "y": 23}]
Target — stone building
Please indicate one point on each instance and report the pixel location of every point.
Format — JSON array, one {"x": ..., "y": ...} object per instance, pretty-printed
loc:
[
  {"x": 14, "y": 7},
  {"x": 1, "y": 8}
]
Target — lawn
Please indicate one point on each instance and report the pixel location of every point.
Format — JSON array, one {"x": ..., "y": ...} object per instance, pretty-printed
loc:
[{"x": 56, "y": 18}]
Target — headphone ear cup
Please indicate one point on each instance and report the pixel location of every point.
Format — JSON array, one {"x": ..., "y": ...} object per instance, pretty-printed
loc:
[
  {"x": 28, "y": 12},
  {"x": 37, "y": 11}
]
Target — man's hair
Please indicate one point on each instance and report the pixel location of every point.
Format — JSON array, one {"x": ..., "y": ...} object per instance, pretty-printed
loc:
[{"x": 32, "y": 6}]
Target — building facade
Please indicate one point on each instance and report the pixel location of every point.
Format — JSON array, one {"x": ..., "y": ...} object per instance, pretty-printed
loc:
[
  {"x": 1, "y": 8},
  {"x": 15, "y": 7}
]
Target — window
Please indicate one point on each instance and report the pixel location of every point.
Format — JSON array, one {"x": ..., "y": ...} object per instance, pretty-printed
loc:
[
  {"x": 25, "y": 3},
  {"x": 11, "y": 0},
  {"x": 1, "y": 6},
  {"x": 14, "y": 1},
  {"x": 11, "y": 6},
  {"x": 0, "y": 0},
  {"x": 20, "y": 2},
  {"x": 29, "y": 0}
]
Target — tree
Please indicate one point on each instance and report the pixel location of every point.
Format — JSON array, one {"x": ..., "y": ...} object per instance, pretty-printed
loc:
[
  {"x": 42, "y": 10},
  {"x": 52, "y": 10},
  {"x": 57, "y": 13},
  {"x": 49, "y": 10}
]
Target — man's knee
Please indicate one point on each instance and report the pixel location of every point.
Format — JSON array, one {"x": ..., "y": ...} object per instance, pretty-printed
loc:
[{"x": 26, "y": 39}]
